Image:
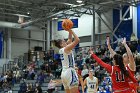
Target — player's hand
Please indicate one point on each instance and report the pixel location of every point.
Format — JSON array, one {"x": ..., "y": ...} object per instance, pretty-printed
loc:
[
  {"x": 124, "y": 41},
  {"x": 70, "y": 31},
  {"x": 90, "y": 51},
  {"x": 108, "y": 41}
]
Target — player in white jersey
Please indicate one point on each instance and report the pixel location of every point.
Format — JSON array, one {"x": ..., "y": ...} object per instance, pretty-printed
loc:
[
  {"x": 68, "y": 75},
  {"x": 91, "y": 82}
]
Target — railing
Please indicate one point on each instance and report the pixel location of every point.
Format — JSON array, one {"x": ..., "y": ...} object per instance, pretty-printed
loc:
[{"x": 7, "y": 66}]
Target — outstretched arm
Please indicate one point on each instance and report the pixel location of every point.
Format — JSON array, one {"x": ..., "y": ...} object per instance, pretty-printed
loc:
[
  {"x": 132, "y": 64},
  {"x": 70, "y": 46},
  {"x": 69, "y": 38},
  {"x": 103, "y": 64},
  {"x": 112, "y": 52}
]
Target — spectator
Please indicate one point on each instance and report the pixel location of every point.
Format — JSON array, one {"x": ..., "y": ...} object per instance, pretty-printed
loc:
[
  {"x": 23, "y": 87},
  {"x": 10, "y": 90},
  {"x": 51, "y": 86},
  {"x": 48, "y": 69},
  {"x": 101, "y": 90},
  {"x": 38, "y": 88},
  {"x": 84, "y": 71},
  {"x": 5, "y": 85},
  {"x": 29, "y": 88},
  {"x": 40, "y": 78},
  {"x": 31, "y": 73}
]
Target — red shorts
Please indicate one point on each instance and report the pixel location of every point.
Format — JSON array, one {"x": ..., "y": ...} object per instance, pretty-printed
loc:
[
  {"x": 78, "y": 91},
  {"x": 124, "y": 91}
]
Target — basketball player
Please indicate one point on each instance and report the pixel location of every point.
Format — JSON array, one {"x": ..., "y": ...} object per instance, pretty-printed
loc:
[
  {"x": 128, "y": 61},
  {"x": 119, "y": 75},
  {"x": 80, "y": 80},
  {"x": 91, "y": 82},
  {"x": 68, "y": 75}
]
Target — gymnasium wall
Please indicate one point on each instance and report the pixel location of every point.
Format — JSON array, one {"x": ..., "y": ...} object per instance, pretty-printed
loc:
[
  {"x": 20, "y": 41},
  {"x": 85, "y": 27}
]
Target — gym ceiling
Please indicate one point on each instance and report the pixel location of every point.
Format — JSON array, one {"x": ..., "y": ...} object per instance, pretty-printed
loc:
[{"x": 38, "y": 11}]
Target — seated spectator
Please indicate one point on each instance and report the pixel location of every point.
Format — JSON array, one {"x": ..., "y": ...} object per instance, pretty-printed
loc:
[
  {"x": 58, "y": 72},
  {"x": 38, "y": 88},
  {"x": 52, "y": 85},
  {"x": 40, "y": 78},
  {"x": 31, "y": 73},
  {"x": 23, "y": 87},
  {"x": 48, "y": 69},
  {"x": 10, "y": 90},
  {"x": 1, "y": 80},
  {"x": 108, "y": 88},
  {"x": 101, "y": 90},
  {"x": 9, "y": 77},
  {"x": 5, "y": 85},
  {"x": 25, "y": 73},
  {"x": 30, "y": 88}
]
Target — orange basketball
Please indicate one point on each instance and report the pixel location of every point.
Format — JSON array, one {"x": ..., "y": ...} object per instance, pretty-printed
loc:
[{"x": 67, "y": 24}]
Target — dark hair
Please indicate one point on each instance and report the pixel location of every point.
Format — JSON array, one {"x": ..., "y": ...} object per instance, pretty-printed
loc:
[
  {"x": 119, "y": 61},
  {"x": 57, "y": 43}
]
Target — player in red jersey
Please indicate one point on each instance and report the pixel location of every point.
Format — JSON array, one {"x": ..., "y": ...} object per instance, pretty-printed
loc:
[
  {"x": 119, "y": 75},
  {"x": 128, "y": 61}
]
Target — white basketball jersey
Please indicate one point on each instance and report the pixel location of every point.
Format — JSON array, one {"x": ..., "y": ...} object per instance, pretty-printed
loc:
[
  {"x": 67, "y": 59},
  {"x": 91, "y": 84}
]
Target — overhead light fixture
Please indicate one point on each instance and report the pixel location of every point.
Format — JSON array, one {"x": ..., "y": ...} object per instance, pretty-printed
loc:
[
  {"x": 79, "y": 1},
  {"x": 55, "y": 18},
  {"x": 28, "y": 13}
]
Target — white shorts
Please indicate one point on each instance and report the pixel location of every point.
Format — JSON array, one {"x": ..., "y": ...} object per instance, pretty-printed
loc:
[{"x": 69, "y": 78}]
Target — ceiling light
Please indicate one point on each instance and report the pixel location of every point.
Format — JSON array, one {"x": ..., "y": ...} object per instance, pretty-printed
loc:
[
  {"x": 79, "y": 1},
  {"x": 28, "y": 13},
  {"x": 55, "y": 18}
]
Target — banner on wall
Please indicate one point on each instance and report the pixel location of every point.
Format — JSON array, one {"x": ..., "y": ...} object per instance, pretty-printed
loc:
[
  {"x": 138, "y": 21},
  {"x": 125, "y": 28},
  {"x": 138, "y": 25}
]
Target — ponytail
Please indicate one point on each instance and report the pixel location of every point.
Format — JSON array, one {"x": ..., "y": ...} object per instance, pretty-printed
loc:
[{"x": 57, "y": 43}]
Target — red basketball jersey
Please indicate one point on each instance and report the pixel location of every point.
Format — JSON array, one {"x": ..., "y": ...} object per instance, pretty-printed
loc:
[
  {"x": 131, "y": 84},
  {"x": 128, "y": 68},
  {"x": 119, "y": 80}
]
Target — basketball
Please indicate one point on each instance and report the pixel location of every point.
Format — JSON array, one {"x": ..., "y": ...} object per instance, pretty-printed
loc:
[{"x": 67, "y": 24}]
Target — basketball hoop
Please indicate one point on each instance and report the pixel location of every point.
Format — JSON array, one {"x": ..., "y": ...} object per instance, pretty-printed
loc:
[{"x": 21, "y": 19}]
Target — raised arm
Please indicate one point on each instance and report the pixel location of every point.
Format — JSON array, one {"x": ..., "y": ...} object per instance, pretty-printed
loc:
[
  {"x": 132, "y": 64},
  {"x": 112, "y": 52},
  {"x": 84, "y": 84},
  {"x": 69, "y": 38},
  {"x": 99, "y": 61},
  {"x": 70, "y": 46}
]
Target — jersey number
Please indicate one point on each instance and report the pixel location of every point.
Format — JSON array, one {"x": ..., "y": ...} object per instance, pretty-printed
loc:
[
  {"x": 61, "y": 57},
  {"x": 119, "y": 77},
  {"x": 92, "y": 86}
]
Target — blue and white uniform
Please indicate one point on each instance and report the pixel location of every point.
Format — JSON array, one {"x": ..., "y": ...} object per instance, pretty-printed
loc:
[
  {"x": 69, "y": 76},
  {"x": 91, "y": 85}
]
